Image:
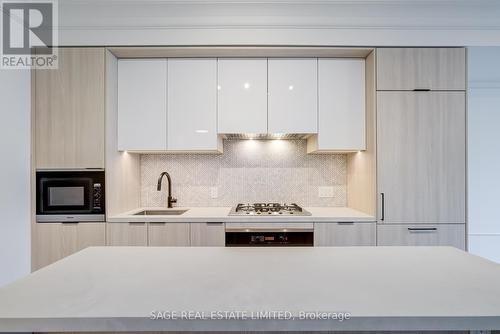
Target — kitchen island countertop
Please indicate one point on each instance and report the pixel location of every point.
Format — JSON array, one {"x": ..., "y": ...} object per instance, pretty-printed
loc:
[
  {"x": 380, "y": 288},
  {"x": 221, "y": 214}
]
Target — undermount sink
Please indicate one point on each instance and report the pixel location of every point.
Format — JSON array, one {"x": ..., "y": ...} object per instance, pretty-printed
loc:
[{"x": 160, "y": 212}]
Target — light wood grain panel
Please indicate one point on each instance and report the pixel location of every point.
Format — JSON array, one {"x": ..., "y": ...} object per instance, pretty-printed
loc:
[
  {"x": 123, "y": 170},
  {"x": 54, "y": 241},
  {"x": 361, "y": 166},
  {"x": 344, "y": 234},
  {"x": 208, "y": 234},
  {"x": 126, "y": 234},
  {"x": 169, "y": 234},
  {"x": 422, "y": 235},
  {"x": 33, "y": 235},
  {"x": 237, "y": 51},
  {"x": 421, "y": 156},
  {"x": 69, "y": 111},
  {"x": 421, "y": 68}
]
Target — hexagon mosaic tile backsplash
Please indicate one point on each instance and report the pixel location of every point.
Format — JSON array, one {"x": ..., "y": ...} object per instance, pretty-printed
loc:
[{"x": 248, "y": 171}]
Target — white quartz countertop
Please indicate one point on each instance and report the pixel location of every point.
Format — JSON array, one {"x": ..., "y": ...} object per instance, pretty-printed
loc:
[
  {"x": 382, "y": 288},
  {"x": 221, "y": 214}
]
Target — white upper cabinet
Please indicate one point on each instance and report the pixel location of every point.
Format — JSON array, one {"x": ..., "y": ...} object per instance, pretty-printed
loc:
[
  {"x": 192, "y": 105},
  {"x": 341, "y": 109},
  {"x": 142, "y": 105},
  {"x": 293, "y": 96},
  {"x": 242, "y": 89},
  {"x": 184, "y": 104}
]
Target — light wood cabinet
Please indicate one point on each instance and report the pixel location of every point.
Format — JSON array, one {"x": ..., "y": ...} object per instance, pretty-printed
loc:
[
  {"x": 421, "y": 157},
  {"x": 242, "y": 95},
  {"x": 142, "y": 104},
  {"x": 54, "y": 241},
  {"x": 208, "y": 234},
  {"x": 192, "y": 105},
  {"x": 68, "y": 105},
  {"x": 341, "y": 106},
  {"x": 169, "y": 234},
  {"x": 422, "y": 235},
  {"x": 127, "y": 234},
  {"x": 344, "y": 234},
  {"x": 293, "y": 96},
  {"x": 421, "y": 68}
]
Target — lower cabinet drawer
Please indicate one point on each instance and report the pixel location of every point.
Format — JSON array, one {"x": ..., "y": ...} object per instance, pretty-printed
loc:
[
  {"x": 344, "y": 234},
  {"x": 127, "y": 234},
  {"x": 421, "y": 235},
  {"x": 54, "y": 241},
  {"x": 168, "y": 234},
  {"x": 208, "y": 234}
]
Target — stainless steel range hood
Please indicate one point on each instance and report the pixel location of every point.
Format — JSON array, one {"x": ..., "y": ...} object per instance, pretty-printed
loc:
[{"x": 265, "y": 136}]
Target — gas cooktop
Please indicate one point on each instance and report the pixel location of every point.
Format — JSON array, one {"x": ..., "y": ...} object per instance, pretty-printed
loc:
[{"x": 276, "y": 209}]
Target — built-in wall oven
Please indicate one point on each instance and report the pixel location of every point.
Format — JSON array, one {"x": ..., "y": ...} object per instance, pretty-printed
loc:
[
  {"x": 70, "y": 195},
  {"x": 269, "y": 234}
]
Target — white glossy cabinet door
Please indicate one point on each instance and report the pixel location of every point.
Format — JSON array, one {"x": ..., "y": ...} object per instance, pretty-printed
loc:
[
  {"x": 192, "y": 105},
  {"x": 341, "y": 108},
  {"x": 142, "y": 105},
  {"x": 293, "y": 96},
  {"x": 242, "y": 88}
]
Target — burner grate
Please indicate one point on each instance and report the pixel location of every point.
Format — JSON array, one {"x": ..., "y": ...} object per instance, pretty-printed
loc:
[{"x": 269, "y": 209}]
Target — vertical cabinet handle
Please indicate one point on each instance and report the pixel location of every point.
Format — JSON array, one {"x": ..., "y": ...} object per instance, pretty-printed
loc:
[{"x": 382, "y": 195}]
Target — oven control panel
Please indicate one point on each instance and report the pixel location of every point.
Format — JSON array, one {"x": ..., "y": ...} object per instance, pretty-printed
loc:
[{"x": 269, "y": 239}]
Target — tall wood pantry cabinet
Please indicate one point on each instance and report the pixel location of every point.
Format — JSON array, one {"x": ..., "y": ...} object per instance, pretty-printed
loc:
[
  {"x": 421, "y": 146},
  {"x": 68, "y": 132}
]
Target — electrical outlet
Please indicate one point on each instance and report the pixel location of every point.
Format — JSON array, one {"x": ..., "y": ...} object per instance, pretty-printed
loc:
[
  {"x": 214, "y": 192},
  {"x": 325, "y": 192}
]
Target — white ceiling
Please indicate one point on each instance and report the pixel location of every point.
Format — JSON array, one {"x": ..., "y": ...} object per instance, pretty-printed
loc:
[{"x": 224, "y": 22}]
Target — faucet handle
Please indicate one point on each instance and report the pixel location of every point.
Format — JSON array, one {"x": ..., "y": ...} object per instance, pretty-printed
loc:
[{"x": 173, "y": 200}]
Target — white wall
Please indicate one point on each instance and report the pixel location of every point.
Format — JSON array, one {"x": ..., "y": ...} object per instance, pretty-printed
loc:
[
  {"x": 15, "y": 123},
  {"x": 278, "y": 22},
  {"x": 484, "y": 152}
]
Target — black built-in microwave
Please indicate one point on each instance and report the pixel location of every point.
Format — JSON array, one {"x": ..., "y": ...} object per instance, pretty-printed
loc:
[{"x": 70, "y": 196}]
